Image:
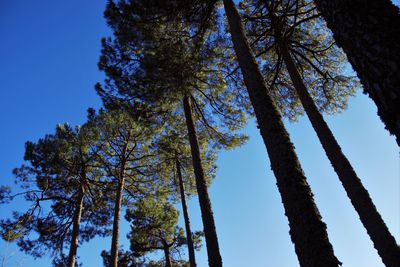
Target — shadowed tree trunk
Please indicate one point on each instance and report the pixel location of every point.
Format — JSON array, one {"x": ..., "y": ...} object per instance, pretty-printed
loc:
[
  {"x": 117, "y": 216},
  {"x": 192, "y": 259},
  {"x": 75, "y": 230},
  {"x": 210, "y": 233},
  {"x": 167, "y": 254},
  {"x": 383, "y": 241},
  {"x": 307, "y": 230},
  {"x": 368, "y": 32}
]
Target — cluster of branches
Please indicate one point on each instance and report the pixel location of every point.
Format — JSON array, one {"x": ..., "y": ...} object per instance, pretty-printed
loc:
[
  {"x": 181, "y": 82},
  {"x": 79, "y": 179}
]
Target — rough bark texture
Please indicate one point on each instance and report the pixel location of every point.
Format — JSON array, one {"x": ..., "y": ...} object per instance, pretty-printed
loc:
[
  {"x": 192, "y": 258},
  {"x": 307, "y": 230},
  {"x": 383, "y": 241},
  {"x": 214, "y": 256},
  {"x": 369, "y": 33},
  {"x": 117, "y": 217},
  {"x": 75, "y": 231}
]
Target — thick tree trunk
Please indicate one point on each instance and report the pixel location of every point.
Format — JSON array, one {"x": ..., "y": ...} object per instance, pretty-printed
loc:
[
  {"x": 167, "y": 254},
  {"x": 192, "y": 258},
  {"x": 75, "y": 230},
  {"x": 214, "y": 257},
  {"x": 117, "y": 216},
  {"x": 307, "y": 230},
  {"x": 369, "y": 33},
  {"x": 383, "y": 241}
]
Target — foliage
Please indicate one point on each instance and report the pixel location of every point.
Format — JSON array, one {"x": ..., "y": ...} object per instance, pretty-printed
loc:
[
  {"x": 163, "y": 52},
  {"x": 4, "y": 194},
  {"x": 154, "y": 227},
  {"x": 59, "y": 169},
  {"x": 124, "y": 152},
  {"x": 322, "y": 65},
  {"x": 158, "y": 63}
]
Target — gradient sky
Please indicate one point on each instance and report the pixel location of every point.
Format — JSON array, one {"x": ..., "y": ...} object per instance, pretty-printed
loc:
[{"x": 48, "y": 67}]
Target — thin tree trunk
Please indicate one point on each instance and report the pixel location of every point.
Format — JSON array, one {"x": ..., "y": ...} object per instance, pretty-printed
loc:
[
  {"x": 383, "y": 241},
  {"x": 75, "y": 230},
  {"x": 214, "y": 256},
  {"x": 307, "y": 230},
  {"x": 167, "y": 255},
  {"x": 192, "y": 259},
  {"x": 117, "y": 216},
  {"x": 369, "y": 33}
]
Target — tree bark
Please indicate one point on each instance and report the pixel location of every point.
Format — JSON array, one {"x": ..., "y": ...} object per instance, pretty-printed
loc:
[
  {"x": 307, "y": 230},
  {"x": 368, "y": 32},
  {"x": 167, "y": 255},
  {"x": 383, "y": 241},
  {"x": 117, "y": 216},
  {"x": 192, "y": 259},
  {"x": 75, "y": 230},
  {"x": 214, "y": 257}
]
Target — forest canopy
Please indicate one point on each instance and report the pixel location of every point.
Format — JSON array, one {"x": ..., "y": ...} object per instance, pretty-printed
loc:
[{"x": 181, "y": 80}]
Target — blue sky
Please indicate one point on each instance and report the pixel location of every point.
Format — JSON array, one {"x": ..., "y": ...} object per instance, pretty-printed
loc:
[{"x": 48, "y": 67}]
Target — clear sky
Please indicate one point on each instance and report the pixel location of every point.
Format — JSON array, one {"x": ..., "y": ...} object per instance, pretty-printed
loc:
[{"x": 48, "y": 56}]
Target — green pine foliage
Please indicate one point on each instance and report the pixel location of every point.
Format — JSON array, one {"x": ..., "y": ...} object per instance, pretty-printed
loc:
[
  {"x": 59, "y": 167},
  {"x": 166, "y": 62},
  {"x": 321, "y": 63},
  {"x": 154, "y": 227},
  {"x": 158, "y": 63},
  {"x": 124, "y": 153}
]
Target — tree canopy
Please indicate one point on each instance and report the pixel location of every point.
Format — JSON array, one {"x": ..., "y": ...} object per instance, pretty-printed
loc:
[{"x": 181, "y": 80}]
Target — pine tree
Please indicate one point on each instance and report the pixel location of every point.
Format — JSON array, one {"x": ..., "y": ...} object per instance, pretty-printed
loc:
[
  {"x": 269, "y": 120},
  {"x": 60, "y": 183},
  {"x": 294, "y": 32},
  {"x": 124, "y": 155},
  {"x": 154, "y": 227},
  {"x": 177, "y": 168},
  {"x": 308, "y": 232},
  {"x": 368, "y": 32},
  {"x": 161, "y": 64},
  {"x": 321, "y": 64}
]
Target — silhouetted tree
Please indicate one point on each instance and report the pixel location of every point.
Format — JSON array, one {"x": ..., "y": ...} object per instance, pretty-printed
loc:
[{"x": 368, "y": 32}]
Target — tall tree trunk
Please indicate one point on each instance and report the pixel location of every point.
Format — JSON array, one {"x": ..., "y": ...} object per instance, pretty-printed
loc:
[
  {"x": 214, "y": 256},
  {"x": 75, "y": 230},
  {"x": 368, "y": 32},
  {"x": 117, "y": 216},
  {"x": 307, "y": 230},
  {"x": 167, "y": 255},
  {"x": 383, "y": 241},
  {"x": 192, "y": 259}
]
